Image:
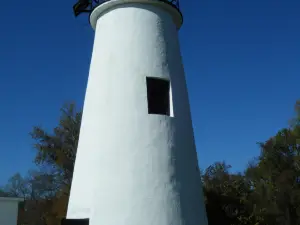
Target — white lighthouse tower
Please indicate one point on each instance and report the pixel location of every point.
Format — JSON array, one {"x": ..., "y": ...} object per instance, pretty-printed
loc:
[{"x": 136, "y": 161}]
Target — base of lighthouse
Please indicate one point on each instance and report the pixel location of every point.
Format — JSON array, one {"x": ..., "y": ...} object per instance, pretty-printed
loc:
[{"x": 136, "y": 160}]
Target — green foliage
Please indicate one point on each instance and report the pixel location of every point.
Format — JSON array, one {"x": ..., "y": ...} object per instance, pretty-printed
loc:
[
  {"x": 267, "y": 193},
  {"x": 3, "y": 193},
  {"x": 46, "y": 189},
  {"x": 57, "y": 150}
]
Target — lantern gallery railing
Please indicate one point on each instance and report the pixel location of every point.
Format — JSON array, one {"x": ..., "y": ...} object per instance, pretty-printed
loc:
[{"x": 87, "y": 6}]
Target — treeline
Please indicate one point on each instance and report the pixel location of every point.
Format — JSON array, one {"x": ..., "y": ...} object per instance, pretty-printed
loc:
[{"x": 266, "y": 193}]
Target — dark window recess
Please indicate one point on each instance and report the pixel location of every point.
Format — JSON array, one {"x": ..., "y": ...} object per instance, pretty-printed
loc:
[
  {"x": 158, "y": 94},
  {"x": 75, "y": 222}
]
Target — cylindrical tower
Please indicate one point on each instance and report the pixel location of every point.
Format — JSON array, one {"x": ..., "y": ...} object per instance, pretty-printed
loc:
[{"x": 136, "y": 161}]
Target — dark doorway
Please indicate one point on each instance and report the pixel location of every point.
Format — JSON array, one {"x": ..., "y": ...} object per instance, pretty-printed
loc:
[{"x": 75, "y": 222}]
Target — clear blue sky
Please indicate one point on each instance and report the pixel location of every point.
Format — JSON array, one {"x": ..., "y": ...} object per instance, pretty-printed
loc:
[{"x": 242, "y": 62}]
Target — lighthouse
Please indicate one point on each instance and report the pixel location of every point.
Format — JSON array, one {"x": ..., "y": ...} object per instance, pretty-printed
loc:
[{"x": 136, "y": 161}]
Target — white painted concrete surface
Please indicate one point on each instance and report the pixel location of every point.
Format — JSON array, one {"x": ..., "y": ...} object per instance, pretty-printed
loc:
[
  {"x": 9, "y": 210},
  {"x": 133, "y": 168}
]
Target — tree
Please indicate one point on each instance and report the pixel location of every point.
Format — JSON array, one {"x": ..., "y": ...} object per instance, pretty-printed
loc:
[
  {"x": 58, "y": 149},
  {"x": 226, "y": 195},
  {"x": 3, "y": 193},
  {"x": 46, "y": 190},
  {"x": 275, "y": 177},
  {"x": 56, "y": 152},
  {"x": 19, "y": 186}
]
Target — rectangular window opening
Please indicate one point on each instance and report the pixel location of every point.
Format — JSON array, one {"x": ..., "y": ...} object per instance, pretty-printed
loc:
[{"x": 159, "y": 96}]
